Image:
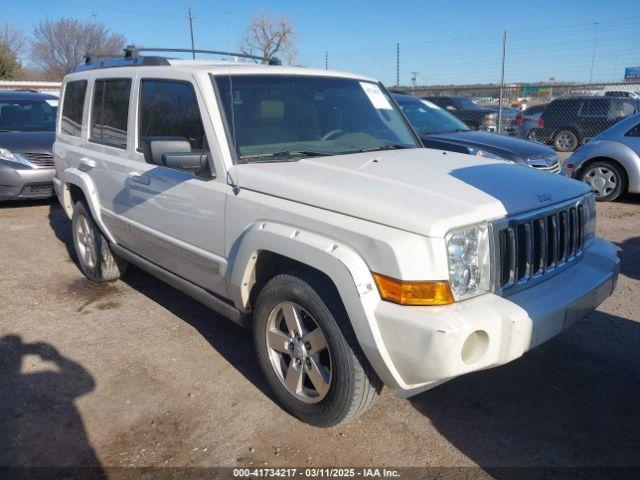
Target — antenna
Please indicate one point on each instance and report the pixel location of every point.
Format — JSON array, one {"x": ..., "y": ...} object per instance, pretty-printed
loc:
[{"x": 193, "y": 48}]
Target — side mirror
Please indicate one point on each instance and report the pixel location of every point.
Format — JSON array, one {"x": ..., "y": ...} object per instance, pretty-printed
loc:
[{"x": 176, "y": 153}]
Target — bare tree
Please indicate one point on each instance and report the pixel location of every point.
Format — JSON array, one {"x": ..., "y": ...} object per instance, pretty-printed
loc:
[
  {"x": 269, "y": 35},
  {"x": 63, "y": 43},
  {"x": 13, "y": 38}
]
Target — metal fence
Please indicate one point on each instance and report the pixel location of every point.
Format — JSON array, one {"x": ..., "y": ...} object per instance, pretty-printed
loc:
[{"x": 561, "y": 115}]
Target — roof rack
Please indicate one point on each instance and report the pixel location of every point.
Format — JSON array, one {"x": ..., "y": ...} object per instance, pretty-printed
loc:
[{"x": 132, "y": 58}]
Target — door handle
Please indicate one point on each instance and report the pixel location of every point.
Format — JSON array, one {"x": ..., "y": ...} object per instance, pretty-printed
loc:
[{"x": 138, "y": 178}]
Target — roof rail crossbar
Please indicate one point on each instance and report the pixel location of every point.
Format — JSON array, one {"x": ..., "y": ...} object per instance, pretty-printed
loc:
[{"x": 132, "y": 51}]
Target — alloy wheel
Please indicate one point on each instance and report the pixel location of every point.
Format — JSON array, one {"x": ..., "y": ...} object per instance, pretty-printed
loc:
[
  {"x": 298, "y": 352},
  {"x": 86, "y": 241}
]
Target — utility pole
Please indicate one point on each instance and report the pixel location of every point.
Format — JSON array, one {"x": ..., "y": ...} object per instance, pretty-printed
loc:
[
  {"x": 414, "y": 79},
  {"x": 326, "y": 60},
  {"x": 193, "y": 47},
  {"x": 593, "y": 55},
  {"x": 398, "y": 64},
  {"x": 504, "y": 54}
]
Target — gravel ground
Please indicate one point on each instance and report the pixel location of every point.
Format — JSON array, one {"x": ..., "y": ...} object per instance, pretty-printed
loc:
[{"x": 134, "y": 373}]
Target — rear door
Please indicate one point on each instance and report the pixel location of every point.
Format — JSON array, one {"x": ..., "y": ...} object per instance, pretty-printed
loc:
[
  {"x": 177, "y": 218},
  {"x": 594, "y": 116}
]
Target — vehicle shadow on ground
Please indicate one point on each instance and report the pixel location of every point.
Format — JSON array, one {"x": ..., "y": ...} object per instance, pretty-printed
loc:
[
  {"x": 230, "y": 340},
  {"x": 39, "y": 423},
  {"x": 629, "y": 253},
  {"x": 572, "y": 402},
  {"x": 233, "y": 342},
  {"x": 13, "y": 204}
]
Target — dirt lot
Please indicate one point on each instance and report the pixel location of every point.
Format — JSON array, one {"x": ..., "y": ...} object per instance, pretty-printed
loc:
[{"x": 134, "y": 373}]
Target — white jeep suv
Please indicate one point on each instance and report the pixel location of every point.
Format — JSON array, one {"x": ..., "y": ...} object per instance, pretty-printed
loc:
[{"x": 300, "y": 204}]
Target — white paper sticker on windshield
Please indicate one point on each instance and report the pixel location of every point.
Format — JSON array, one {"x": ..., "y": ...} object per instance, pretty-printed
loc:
[
  {"x": 376, "y": 96},
  {"x": 430, "y": 105},
  {"x": 53, "y": 103}
]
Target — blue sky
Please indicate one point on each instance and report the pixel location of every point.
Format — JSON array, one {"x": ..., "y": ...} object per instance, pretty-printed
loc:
[{"x": 444, "y": 41}]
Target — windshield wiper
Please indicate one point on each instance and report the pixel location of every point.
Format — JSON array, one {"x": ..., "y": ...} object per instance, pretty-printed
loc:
[
  {"x": 286, "y": 154},
  {"x": 390, "y": 146}
]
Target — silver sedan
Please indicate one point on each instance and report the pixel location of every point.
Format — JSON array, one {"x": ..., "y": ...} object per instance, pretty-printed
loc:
[{"x": 610, "y": 161}]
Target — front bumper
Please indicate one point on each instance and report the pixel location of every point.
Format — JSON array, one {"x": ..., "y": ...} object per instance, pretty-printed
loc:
[
  {"x": 429, "y": 345},
  {"x": 25, "y": 183}
]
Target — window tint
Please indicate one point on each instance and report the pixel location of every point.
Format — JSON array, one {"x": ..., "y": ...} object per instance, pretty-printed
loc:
[
  {"x": 598, "y": 108},
  {"x": 109, "y": 112},
  {"x": 72, "y": 107},
  {"x": 170, "y": 108},
  {"x": 634, "y": 132}
]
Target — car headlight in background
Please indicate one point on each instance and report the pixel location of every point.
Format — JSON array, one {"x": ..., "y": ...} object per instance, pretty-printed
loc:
[
  {"x": 483, "y": 153},
  {"x": 468, "y": 252},
  {"x": 9, "y": 156},
  {"x": 589, "y": 205}
]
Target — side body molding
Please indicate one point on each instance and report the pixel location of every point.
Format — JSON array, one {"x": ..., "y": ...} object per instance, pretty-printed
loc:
[
  {"x": 74, "y": 176},
  {"x": 343, "y": 265}
]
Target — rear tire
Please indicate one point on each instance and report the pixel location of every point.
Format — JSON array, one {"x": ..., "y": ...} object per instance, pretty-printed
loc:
[
  {"x": 565, "y": 141},
  {"x": 607, "y": 180},
  {"x": 347, "y": 385},
  {"x": 97, "y": 261}
]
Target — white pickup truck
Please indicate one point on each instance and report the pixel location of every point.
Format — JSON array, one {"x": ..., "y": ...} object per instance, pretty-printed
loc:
[{"x": 301, "y": 204}]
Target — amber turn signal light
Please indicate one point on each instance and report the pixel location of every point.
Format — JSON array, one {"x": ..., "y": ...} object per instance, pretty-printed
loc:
[{"x": 413, "y": 293}]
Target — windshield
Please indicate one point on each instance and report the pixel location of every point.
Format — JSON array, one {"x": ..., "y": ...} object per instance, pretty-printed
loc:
[
  {"x": 28, "y": 115},
  {"x": 429, "y": 118},
  {"x": 294, "y": 116}
]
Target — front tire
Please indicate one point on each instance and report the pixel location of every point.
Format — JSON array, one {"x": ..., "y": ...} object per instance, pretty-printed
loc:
[
  {"x": 308, "y": 352},
  {"x": 606, "y": 179},
  {"x": 97, "y": 261}
]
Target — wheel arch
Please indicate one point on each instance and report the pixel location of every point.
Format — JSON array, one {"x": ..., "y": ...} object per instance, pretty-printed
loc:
[
  {"x": 76, "y": 185},
  {"x": 268, "y": 248}
]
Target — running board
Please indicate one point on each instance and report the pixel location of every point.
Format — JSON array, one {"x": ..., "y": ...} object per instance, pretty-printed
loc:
[{"x": 194, "y": 291}]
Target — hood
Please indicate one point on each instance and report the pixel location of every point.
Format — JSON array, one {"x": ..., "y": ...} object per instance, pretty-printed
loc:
[
  {"x": 419, "y": 190},
  {"x": 36, "y": 142},
  {"x": 511, "y": 148}
]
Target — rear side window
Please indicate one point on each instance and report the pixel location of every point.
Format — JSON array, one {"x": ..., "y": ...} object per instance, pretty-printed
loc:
[
  {"x": 109, "y": 111},
  {"x": 634, "y": 132},
  {"x": 170, "y": 108},
  {"x": 72, "y": 107},
  {"x": 595, "y": 108}
]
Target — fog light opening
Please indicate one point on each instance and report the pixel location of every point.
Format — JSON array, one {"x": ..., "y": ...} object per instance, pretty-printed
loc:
[{"x": 475, "y": 346}]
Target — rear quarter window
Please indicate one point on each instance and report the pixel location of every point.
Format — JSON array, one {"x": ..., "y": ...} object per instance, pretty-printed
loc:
[
  {"x": 110, "y": 111},
  {"x": 72, "y": 107}
]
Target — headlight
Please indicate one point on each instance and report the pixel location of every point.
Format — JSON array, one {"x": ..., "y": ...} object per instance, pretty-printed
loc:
[
  {"x": 468, "y": 252},
  {"x": 483, "y": 153},
  {"x": 9, "y": 156},
  {"x": 589, "y": 218},
  {"x": 490, "y": 119}
]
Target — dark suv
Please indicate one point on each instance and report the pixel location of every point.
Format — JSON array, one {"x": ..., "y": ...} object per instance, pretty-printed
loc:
[
  {"x": 474, "y": 115},
  {"x": 568, "y": 122}
]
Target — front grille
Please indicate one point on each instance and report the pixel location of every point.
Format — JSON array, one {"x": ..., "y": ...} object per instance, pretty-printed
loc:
[
  {"x": 532, "y": 246},
  {"x": 39, "y": 159}
]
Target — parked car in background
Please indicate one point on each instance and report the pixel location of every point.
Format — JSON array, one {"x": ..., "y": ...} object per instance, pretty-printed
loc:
[
  {"x": 527, "y": 121},
  {"x": 568, "y": 122},
  {"x": 509, "y": 115},
  {"x": 27, "y": 126},
  {"x": 439, "y": 129},
  {"x": 610, "y": 161},
  {"x": 621, "y": 93},
  {"x": 473, "y": 114}
]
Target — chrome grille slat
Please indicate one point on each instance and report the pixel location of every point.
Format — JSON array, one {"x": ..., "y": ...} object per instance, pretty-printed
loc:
[
  {"x": 535, "y": 245},
  {"x": 39, "y": 159}
]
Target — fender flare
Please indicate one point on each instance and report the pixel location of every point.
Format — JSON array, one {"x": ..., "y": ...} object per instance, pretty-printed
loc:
[
  {"x": 74, "y": 176},
  {"x": 346, "y": 269}
]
